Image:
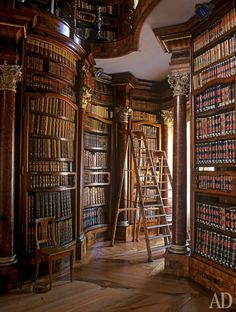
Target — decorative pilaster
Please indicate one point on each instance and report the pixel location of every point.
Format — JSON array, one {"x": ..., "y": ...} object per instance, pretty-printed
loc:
[
  {"x": 85, "y": 102},
  {"x": 179, "y": 82},
  {"x": 9, "y": 76}
]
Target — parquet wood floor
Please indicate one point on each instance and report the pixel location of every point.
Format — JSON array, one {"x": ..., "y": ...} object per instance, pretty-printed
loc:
[{"x": 113, "y": 279}]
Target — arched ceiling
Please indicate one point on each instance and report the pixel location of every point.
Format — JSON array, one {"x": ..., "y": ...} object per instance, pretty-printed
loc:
[{"x": 149, "y": 61}]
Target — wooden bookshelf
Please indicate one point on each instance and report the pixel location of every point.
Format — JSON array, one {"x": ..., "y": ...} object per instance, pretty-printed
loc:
[
  {"x": 97, "y": 22},
  {"x": 49, "y": 131},
  {"x": 214, "y": 157},
  {"x": 97, "y": 161}
]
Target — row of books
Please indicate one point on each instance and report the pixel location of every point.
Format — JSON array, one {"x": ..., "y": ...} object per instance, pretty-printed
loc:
[
  {"x": 223, "y": 69},
  {"x": 49, "y": 204},
  {"x": 51, "y": 126},
  {"x": 96, "y": 177},
  {"x": 95, "y": 159},
  {"x": 85, "y": 5},
  {"x": 218, "y": 152},
  {"x": 95, "y": 195},
  {"x": 49, "y": 84},
  {"x": 92, "y": 33},
  {"x": 50, "y": 148},
  {"x": 63, "y": 234},
  {"x": 94, "y": 216},
  {"x": 101, "y": 111},
  {"x": 50, "y": 166},
  {"x": 94, "y": 140},
  {"x": 149, "y": 131},
  {"x": 221, "y": 182},
  {"x": 50, "y": 181},
  {"x": 61, "y": 71},
  {"x": 153, "y": 144},
  {"x": 103, "y": 88},
  {"x": 222, "y": 217},
  {"x": 215, "y": 97},
  {"x": 95, "y": 124},
  {"x": 35, "y": 63},
  {"x": 103, "y": 8},
  {"x": 103, "y": 98},
  {"x": 85, "y": 32},
  {"x": 144, "y": 106},
  {"x": 217, "y": 125},
  {"x": 227, "y": 22},
  {"x": 51, "y": 51},
  {"x": 106, "y": 35},
  {"x": 214, "y": 54},
  {"x": 52, "y": 105},
  {"x": 137, "y": 115},
  {"x": 217, "y": 247}
]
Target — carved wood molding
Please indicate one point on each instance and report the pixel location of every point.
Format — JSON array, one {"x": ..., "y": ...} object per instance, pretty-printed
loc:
[{"x": 175, "y": 38}]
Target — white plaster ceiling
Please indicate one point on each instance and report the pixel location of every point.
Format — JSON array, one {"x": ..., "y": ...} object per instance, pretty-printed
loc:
[{"x": 150, "y": 62}]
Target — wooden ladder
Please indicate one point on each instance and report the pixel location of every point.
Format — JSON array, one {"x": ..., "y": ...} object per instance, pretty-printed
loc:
[{"x": 149, "y": 205}]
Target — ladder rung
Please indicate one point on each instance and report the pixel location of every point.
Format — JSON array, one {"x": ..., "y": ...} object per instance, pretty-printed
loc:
[
  {"x": 159, "y": 236},
  {"x": 156, "y": 248},
  {"x": 151, "y": 196},
  {"x": 149, "y": 185},
  {"x": 154, "y": 205},
  {"x": 158, "y": 226},
  {"x": 155, "y": 216}
]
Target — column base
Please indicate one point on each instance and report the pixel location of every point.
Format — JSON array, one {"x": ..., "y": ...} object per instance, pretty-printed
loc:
[
  {"x": 123, "y": 223},
  {"x": 8, "y": 277},
  {"x": 177, "y": 265},
  {"x": 124, "y": 231},
  {"x": 5, "y": 261},
  {"x": 179, "y": 249},
  {"x": 81, "y": 247}
]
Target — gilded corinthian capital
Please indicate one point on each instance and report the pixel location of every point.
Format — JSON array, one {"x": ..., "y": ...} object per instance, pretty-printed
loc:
[
  {"x": 9, "y": 76},
  {"x": 179, "y": 82}
]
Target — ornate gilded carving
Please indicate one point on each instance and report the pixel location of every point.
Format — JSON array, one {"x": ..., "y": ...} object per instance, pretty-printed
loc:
[
  {"x": 124, "y": 114},
  {"x": 9, "y": 76},
  {"x": 179, "y": 82},
  {"x": 168, "y": 116},
  {"x": 86, "y": 97}
]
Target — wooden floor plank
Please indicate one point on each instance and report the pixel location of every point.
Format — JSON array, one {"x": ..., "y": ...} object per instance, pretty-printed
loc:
[{"x": 113, "y": 279}]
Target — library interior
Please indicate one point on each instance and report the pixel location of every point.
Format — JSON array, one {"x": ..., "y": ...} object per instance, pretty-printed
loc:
[{"x": 117, "y": 155}]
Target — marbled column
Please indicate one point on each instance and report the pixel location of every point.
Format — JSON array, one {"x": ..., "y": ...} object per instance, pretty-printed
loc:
[
  {"x": 9, "y": 76},
  {"x": 179, "y": 82}
]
